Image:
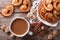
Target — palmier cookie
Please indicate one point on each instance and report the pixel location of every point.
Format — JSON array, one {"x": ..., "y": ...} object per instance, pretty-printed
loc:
[
  {"x": 41, "y": 11},
  {"x": 56, "y": 5},
  {"x": 26, "y": 6},
  {"x": 16, "y": 2},
  {"x": 56, "y": 14},
  {"x": 8, "y": 11},
  {"x": 50, "y": 18}
]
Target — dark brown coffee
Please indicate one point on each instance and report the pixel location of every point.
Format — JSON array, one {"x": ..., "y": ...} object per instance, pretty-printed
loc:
[{"x": 19, "y": 26}]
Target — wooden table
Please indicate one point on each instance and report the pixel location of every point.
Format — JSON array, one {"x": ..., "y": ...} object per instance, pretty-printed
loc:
[{"x": 7, "y": 20}]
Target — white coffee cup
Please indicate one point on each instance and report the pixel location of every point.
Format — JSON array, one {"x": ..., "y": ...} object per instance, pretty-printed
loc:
[{"x": 25, "y": 32}]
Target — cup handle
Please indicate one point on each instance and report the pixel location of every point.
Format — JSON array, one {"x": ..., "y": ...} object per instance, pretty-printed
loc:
[{"x": 30, "y": 33}]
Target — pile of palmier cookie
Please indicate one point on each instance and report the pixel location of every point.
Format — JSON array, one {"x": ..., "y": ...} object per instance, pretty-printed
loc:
[
  {"x": 24, "y": 6},
  {"x": 49, "y": 10}
]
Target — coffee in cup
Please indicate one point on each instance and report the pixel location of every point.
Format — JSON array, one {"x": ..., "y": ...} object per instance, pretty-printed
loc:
[{"x": 19, "y": 27}]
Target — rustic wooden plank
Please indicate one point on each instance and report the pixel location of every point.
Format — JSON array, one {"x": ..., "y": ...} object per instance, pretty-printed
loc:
[{"x": 6, "y": 21}]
